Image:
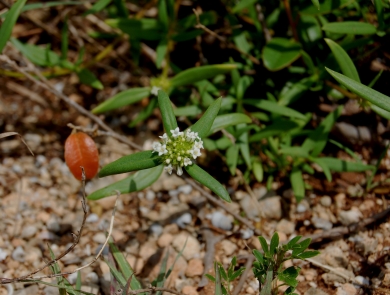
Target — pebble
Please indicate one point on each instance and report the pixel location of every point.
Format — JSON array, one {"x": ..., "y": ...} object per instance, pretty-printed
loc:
[
  {"x": 150, "y": 195},
  {"x": 271, "y": 208},
  {"x": 192, "y": 248},
  {"x": 248, "y": 204},
  {"x": 362, "y": 280},
  {"x": 99, "y": 238},
  {"x": 315, "y": 291},
  {"x": 183, "y": 220},
  {"x": 156, "y": 229},
  {"x": 301, "y": 208},
  {"x": 189, "y": 290},
  {"x": 195, "y": 268},
  {"x": 350, "y": 216},
  {"x": 346, "y": 289},
  {"x": 92, "y": 218},
  {"x": 3, "y": 254},
  {"x": 33, "y": 289},
  {"x": 326, "y": 201},
  {"x": 386, "y": 280},
  {"x": 72, "y": 278},
  {"x": 164, "y": 240},
  {"x": 18, "y": 254},
  {"x": 92, "y": 277},
  {"x": 53, "y": 224},
  {"x": 29, "y": 231},
  {"x": 246, "y": 233},
  {"x": 185, "y": 189},
  {"x": 228, "y": 247},
  {"x": 220, "y": 220},
  {"x": 285, "y": 226},
  {"x": 321, "y": 223}
]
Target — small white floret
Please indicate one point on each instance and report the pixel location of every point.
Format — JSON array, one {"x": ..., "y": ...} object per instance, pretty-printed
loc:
[
  {"x": 162, "y": 150},
  {"x": 179, "y": 171},
  {"x": 196, "y": 153},
  {"x": 155, "y": 90},
  {"x": 156, "y": 146},
  {"x": 187, "y": 162},
  {"x": 164, "y": 138},
  {"x": 168, "y": 168},
  {"x": 176, "y": 132}
]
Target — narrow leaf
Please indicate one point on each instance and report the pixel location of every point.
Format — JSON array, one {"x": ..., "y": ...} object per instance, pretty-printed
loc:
[
  {"x": 274, "y": 243},
  {"x": 231, "y": 158},
  {"x": 297, "y": 183},
  {"x": 224, "y": 121},
  {"x": 98, "y": 6},
  {"x": 168, "y": 116},
  {"x": 308, "y": 254},
  {"x": 88, "y": 78},
  {"x": 203, "y": 125},
  {"x": 133, "y": 162},
  {"x": 264, "y": 245},
  {"x": 339, "y": 165},
  {"x": 350, "y": 27},
  {"x": 280, "y": 53},
  {"x": 208, "y": 181}
]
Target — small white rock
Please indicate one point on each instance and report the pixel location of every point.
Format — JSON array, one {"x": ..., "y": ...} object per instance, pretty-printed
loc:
[
  {"x": 221, "y": 221},
  {"x": 3, "y": 254},
  {"x": 29, "y": 231},
  {"x": 18, "y": 254},
  {"x": 350, "y": 216},
  {"x": 156, "y": 229},
  {"x": 99, "y": 238},
  {"x": 150, "y": 195},
  {"x": 183, "y": 220},
  {"x": 362, "y": 280},
  {"x": 92, "y": 277},
  {"x": 301, "y": 208},
  {"x": 321, "y": 223},
  {"x": 92, "y": 218},
  {"x": 246, "y": 233},
  {"x": 185, "y": 189},
  {"x": 72, "y": 278},
  {"x": 326, "y": 201}
]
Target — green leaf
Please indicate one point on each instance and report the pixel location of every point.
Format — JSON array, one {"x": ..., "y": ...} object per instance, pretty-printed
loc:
[
  {"x": 293, "y": 241},
  {"x": 88, "y": 78},
  {"x": 295, "y": 91},
  {"x": 124, "y": 266},
  {"x": 236, "y": 274},
  {"x": 161, "y": 51},
  {"x": 297, "y": 183},
  {"x": 259, "y": 257},
  {"x": 203, "y": 125},
  {"x": 288, "y": 279},
  {"x": 308, "y": 254},
  {"x": 208, "y": 181},
  {"x": 210, "y": 277},
  {"x": 267, "y": 289},
  {"x": 278, "y": 127},
  {"x": 168, "y": 116},
  {"x": 316, "y": 3},
  {"x": 134, "y": 183},
  {"x": 133, "y": 162},
  {"x": 343, "y": 59},
  {"x": 274, "y": 243},
  {"x": 232, "y": 158},
  {"x": 55, "y": 268},
  {"x": 242, "y": 5},
  {"x": 224, "y": 121},
  {"x": 144, "y": 113},
  {"x": 302, "y": 247},
  {"x": 264, "y": 245},
  {"x": 218, "y": 283},
  {"x": 379, "y": 13},
  {"x": 280, "y": 53},
  {"x": 274, "y": 108},
  {"x": 37, "y": 55},
  {"x": 350, "y": 27},
  {"x": 258, "y": 171},
  {"x": 243, "y": 144},
  {"x": 295, "y": 151},
  {"x": 98, "y": 6},
  {"x": 363, "y": 91},
  {"x": 324, "y": 167},
  {"x": 121, "y": 99},
  {"x": 9, "y": 23},
  {"x": 339, "y": 165},
  {"x": 142, "y": 29},
  {"x": 193, "y": 75},
  {"x": 187, "y": 111}
]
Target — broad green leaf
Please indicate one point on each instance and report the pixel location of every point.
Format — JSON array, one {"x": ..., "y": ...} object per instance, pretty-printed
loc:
[
  {"x": 317, "y": 139},
  {"x": 295, "y": 91},
  {"x": 98, "y": 6},
  {"x": 264, "y": 245},
  {"x": 343, "y": 59},
  {"x": 309, "y": 30},
  {"x": 134, "y": 183},
  {"x": 258, "y": 171},
  {"x": 258, "y": 255},
  {"x": 168, "y": 116},
  {"x": 121, "y": 99},
  {"x": 295, "y": 151},
  {"x": 302, "y": 246},
  {"x": 88, "y": 78},
  {"x": 274, "y": 243},
  {"x": 193, "y": 75},
  {"x": 242, "y": 5},
  {"x": 293, "y": 241},
  {"x": 308, "y": 254},
  {"x": 278, "y": 127},
  {"x": 232, "y": 158},
  {"x": 203, "y": 125},
  {"x": 208, "y": 181},
  {"x": 274, "y": 108},
  {"x": 9, "y": 23},
  {"x": 37, "y": 55},
  {"x": 124, "y": 266},
  {"x": 133, "y": 162},
  {"x": 289, "y": 280},
  {"x": 363, "y": 91},
  {"x": 339, "y": 165},
  {"x": 143, "y": 29},
  {"x": 224, "y": 121},
  {"x": 350, "y": 27},
  {"x": 280, "y": 53},
  {"x": 316, "y": 3},
  {"x": 297, "y": 183}
]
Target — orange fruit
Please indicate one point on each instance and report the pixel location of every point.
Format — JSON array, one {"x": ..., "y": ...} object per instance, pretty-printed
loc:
[{"x": 81, "y": 150}]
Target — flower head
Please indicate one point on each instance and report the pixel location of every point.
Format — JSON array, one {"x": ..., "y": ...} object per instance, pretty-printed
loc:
[{"x": 178, "y": 150}]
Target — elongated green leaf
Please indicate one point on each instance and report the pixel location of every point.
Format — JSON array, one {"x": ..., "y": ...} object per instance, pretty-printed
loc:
[
  {"x": 168, "y": 116},
  {"x": 280, "y": 53},
  {"x": 9, "y": 22},
  {"x": 124, "y": 266},
  {"x": 88, "y": 78},
  {"x": 297, "y": 183},
  {"x": 267, "y": 289},
  {"x": 308, "y": 254},
  {"x": 324, "y": 167},
  {"x": 45, "y": 4},
  {"x": 293, "y": 241},
  {"x": 363, "y": 91},
  {"x": 193, "y": 75},
  {"x": 343, "y": 59},
  {"x": 295, "y": 151},
  {"x": 218, "y": 283},
  {"x": 274, "y": 108},
  {"x": 203, "y": 125},
  {"x": 258, "y": 171},
  {"x": 55, "y": 268},
  {"x": 208, "y": 181},
  {"x": 379, "y": 13},
  {"x": 274, "y": 243},
  {"x": 232, "y": 158},
  {"x": 242, "y": 5},
  {"x": 133, "y": 162},
  {"x": 294, "y": 92},
  {"x": 143, "y": 29},
  {"x": 224, "y": 121},
  {"x": 243, "y": 144},
  {"x": 381, "y": 112},
  {"x": 339, "y": 165},
  {"x": 316, "y": 3},
  {"x": 264, "y": 245},
  {"x": 288, "y": 278},
  {"x": 98, "y": 6},
  {"x": 70, "y": 290},
  {"x": 259, "y": 257},
  {"x": 161, "y": 51},
  {"x": 187, "y": 111},
  {"x": 123, "y": 98},
  {"x": 350, "y": 27},
  {"x": 134, "y": 183},
  {"x": 279, "y": 127}
]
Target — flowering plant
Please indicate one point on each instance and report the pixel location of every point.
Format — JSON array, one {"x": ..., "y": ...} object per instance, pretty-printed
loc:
[{"x": 177, "y": 150}]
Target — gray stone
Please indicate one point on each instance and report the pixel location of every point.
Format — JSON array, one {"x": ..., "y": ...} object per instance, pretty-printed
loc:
[
  {"x": 183, "y": 220},
  {"x": 285, "y": 226},
  {"x": 271, "y": 208},
  {"x": 350, "y": 216},
  {"x": 321, "y": 223},
  {"x": 221, "y": 221},
  {"x": 29, "y": 231},
  {"x": 315, "y": 291},
  {"x": 33, "y": 289},
  {"x": 326, "y": 201},
  {"x": 18, "y": 254},
  {"x": 249, "y": 205}
]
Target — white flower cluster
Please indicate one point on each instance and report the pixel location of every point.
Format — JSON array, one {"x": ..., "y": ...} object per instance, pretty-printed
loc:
[{"x": 178, "y": 150}]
